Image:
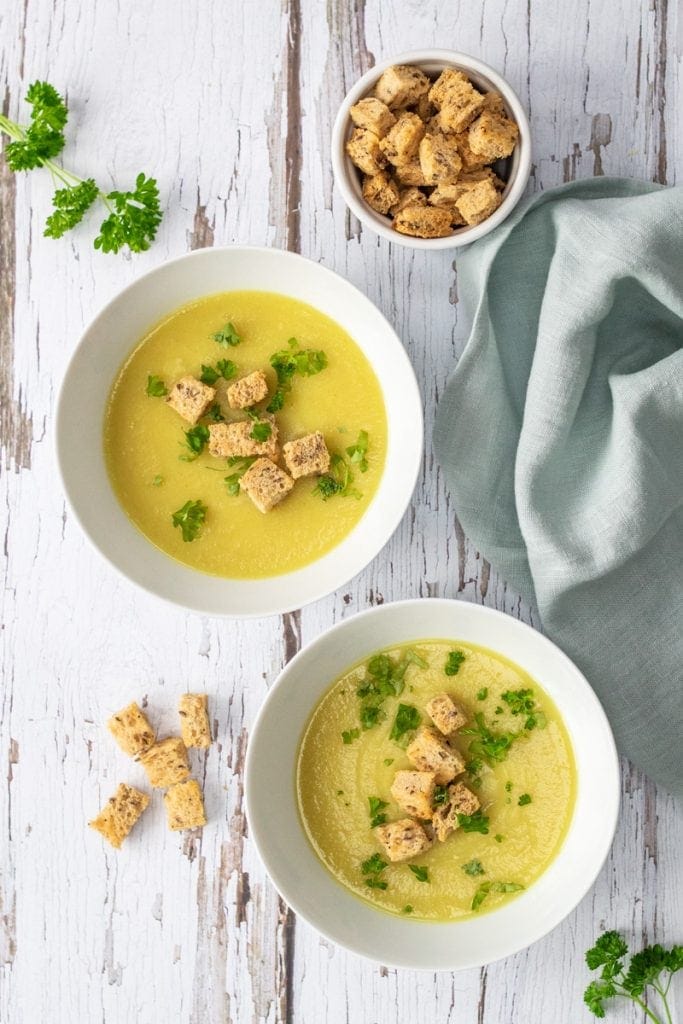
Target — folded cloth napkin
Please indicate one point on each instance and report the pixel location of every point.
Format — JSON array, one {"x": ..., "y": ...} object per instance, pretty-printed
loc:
[{"x": 560, "y": 435}]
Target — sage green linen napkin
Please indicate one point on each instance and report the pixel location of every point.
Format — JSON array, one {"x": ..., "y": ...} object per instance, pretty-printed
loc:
[{"x": 560, "y": 435}]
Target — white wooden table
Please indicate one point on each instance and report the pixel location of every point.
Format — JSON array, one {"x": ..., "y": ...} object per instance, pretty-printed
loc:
[{"x": 230, "y": 105}]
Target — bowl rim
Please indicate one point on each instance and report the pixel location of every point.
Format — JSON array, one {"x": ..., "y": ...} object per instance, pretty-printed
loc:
[
  {"x": 611, "y": 802},
  {"x": 343, "y": 167},
  {"x": 394, "y": 513}
]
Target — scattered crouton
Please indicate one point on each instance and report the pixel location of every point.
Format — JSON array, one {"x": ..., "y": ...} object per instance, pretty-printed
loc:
[
  {"x": 423, "y": 221},
  {"x": 457, "y": 100},
  {"x": 380, "y": 192},
  {"x": 440, "y": 159},
  {"x": 493, "y": 136},
  {"x": 408, "y": 197},
  {"x": 401, "y": 86},
  {"x": 479, "y": 202},
  {"x": 424, "y": 108},
  {"x": 363, "y": 149},
  {"x": 430, "y": 752},
  {"x": 234, "y": 440},
  {"x": 414, "y": 792},
  {"x": 401, "y": 142},
  {"x": 410, "y": 174},
  {"x": 403, "y": 839},
  {"x": 248, "y": 390},
  {"x": 266, "y": 484},
  {"x": 190, "y": 398},
  {"x": 131, "y": 730},
  {"x": 373, "y": 115},
  {"x": 471, "y": 161},
  {"x": 119, "y": 814},
  {"x": 194, "y": 721},
  {"x": 166, "y": 762},
  {"x": 445, "y": 714},
  {"x": 448, "y": 81},
  {"x": 494, "y": 102},
  {"x": 460, "y": 800},
  {"x": 306, "y": 456},
  {"x": 184, "y": 806}
]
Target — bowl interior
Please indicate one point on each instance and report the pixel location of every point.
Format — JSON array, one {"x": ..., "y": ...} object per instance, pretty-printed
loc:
[
  {"x": 97, "y": 359},
  {"x": 308, "y": 887}
]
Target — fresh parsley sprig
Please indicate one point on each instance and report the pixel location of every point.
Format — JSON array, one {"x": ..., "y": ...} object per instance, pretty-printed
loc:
[
  {"x": 134, "y": 216},
  {"x": 190, "y": 519},
  {"x": 290, "y": 361},
  {"x": 488, "y": 887},
  {"x": 653, "y": 967}
]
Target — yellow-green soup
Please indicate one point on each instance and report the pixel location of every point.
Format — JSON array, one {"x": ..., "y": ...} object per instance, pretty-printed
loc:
[
  {"x": 527, "y": 796},
  {"x": 147, "y": 454}
]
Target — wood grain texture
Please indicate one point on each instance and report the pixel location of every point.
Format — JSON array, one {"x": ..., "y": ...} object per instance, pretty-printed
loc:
[{"x": 230, "y": 105}]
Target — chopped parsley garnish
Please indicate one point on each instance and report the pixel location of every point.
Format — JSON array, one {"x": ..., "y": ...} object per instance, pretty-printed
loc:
[
  {"x": 214, "y": 414},
  {"x": 498, "y": 837},
  {"x": 232, "y": 482},
  {"x": 407, "y": 719},
  {"x": 521, "y": 702},
  {"x": 654, "y": 966},
  {"x": 508, "y": 786},
  {"x": 453, "y": 662},
  {"x": 422, "y": 874},
  {"x": 487, "y": 887},
  {"x": 492, "y": 746},
  {"x": 155, "y": 386},
  {"x": 157, "y": 481},
  {"x": 195, "y": 439},
  {"x": 261, "y": 431},
  {"x": 473, "y": 868},
  {"x": 226, "y": 368},
  {"x": 476, "y": 822},
  {"x": 375, "y": 883},
  {"x": 440, "y": 795},
  {"x": 349, "y": 735},
  {"x": 377, "y": 817},
  {"x": 473, "y": 769},
  {"x": 407, "y": 909},
  {"x": 227, "y": 337},
  {"x": 483, "y": 693},
  {"x": 358, "y": 452},
  {"x": 337, "y": 480},
  {"x": 208, "y": 375},
  {"x": 190, "y": 519},
  {"x": 385, "y": 677},
  {"x": 373, "y": 865},
  {"x": 289, "y": 361},
  {"x": 388, "y": 761},
  {"x": 524, "y": 800},
  {"x": 371, "y": 715}
]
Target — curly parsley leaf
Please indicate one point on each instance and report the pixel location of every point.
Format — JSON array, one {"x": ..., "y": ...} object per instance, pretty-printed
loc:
[
  {"x": 377, "y": 816},
  {"x": 227, "y": 336},
  {"x": 407, "y": 720},
  {"x": 421, "y": 873},
  {"x": 476, "y": 822},
  {"x": 358, "y": 452},
  {"x": 337, "y": 481},
  {"x": 43, "y": 139},
  {"x": 488, "y": 744},
  {"x": 653, "y": 966},
  {"x": 453, "y": 662},
  {"x": 232, "y": 482},
  {"x": 524, "y": 800},
  {"x": 521, "y": 702},
  {"x": 70, "y": 205},
  {"x": 349, "y": 735},
  {"x": 473, "y": 868},
  {"x": 289, "y": 361},
  {"x": 489, "y": 887},
  {"x": 195, "y": 439},
  {"x": 190, "y": 519},
  {"x": 155, "y": 386},
  {"x": 134, "y": 219},
  {"x": 261, "y": 431}
]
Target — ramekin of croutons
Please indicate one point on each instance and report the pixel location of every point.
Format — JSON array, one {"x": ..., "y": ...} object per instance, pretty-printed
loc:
[{"x": 431, "y": 149}]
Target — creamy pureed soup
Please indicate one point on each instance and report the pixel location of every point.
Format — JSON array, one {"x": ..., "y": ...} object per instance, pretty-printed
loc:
[
  {"x": 155, "y": 473},
  {"x": 514, "y": 787}
]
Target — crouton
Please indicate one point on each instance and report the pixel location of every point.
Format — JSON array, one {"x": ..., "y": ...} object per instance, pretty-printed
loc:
[
  {"x": 234, "y": 440},
  {"x": 470, "y": 161},
  {"x": 131, "y": 730},
  {"x": 363, "y": 150},
  {"x": 440, "y": 159},
  {"x": 400, "y": 143},
  {"x": 479, "y": 202},
  {"x": 401, "y": 86},
  {"x": 460, "y": 800},
  {"x": 306, "y": 455},
  {"x": 194, "y": 721},
  {"x": 414, "y": 792},
  {"x": 410, "y": 174},
  {"x": 403, "y": 839},
  {"x": 448, "y": 195},
  {"x": 266, "y": 484},
  {"x": 423, "y": 222},
  {"x": 493, "y": 136},
  {"x": 423, "y": 108},
  {"x": 450, "y": 79},
  {"x": 190, "y": 398},
  {"x": 119, "y": 814},
  {"x": 166, "y": 762},
  {"x": 184, "y": 806},
  {"x": 494, "y": 102},
  {"x": 373, "y": 115},
  {"x": 408, "y": 197},
  {"x": 445, "y": 714},
  {"x": 248, "y": 390},
  {"x": 380, "y": 192},
  {"x": 456, "y": 99},
  {"x": 430, "y": 752}
]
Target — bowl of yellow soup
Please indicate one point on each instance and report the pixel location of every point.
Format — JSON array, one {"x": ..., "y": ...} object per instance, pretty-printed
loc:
[
  {"x": 432, "y": 784},
  {"x": 239, "y": 431}
]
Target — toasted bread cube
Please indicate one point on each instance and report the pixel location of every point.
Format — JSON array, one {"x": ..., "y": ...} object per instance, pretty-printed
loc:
[
  {"x": 440, "y": 159},
  {"x": 457, "y": 101},
  {"x": 450, "y": 79},
  {"x": 401, "y": 142},
  {"x": 166, "y": 762},
  {"x": 493, "y": 136},
  {"x": 131, "y": 730},
  {"x": 363, "y": 149},
  {"x": 445, "y": 714},
  {"x": 247, "y": 391},
  {"x": 184, "y": 806},
  {"x": 461, "y": 800},
  {"x": 306, "y": 456},
  {"x": 479, "y": 202},
  {"x": 380, "y": 192},
  {"x": 410, "y": 174},
  {"x": 423, "y": 222},
  {"x": 448, "y": 195},
  {"x": 234, "y": 440},
  {"x": 430, "y": 752},
  {"x": 194, "y": 721},
  {"x": 444, "y": 196},
  {"x": 414, "y": 793},
  {"x": 401, "y": 86},
  {"x": 119, "y": 814},
  {"x": 402, "y": 840},
  {"x": 424, "y": 107},
  {"x": 372, "y": 114},
  {"x": 190, "y": 398},
  {"x": 494, "y": 102},
  {"x": 471, "y": 161},
  {"x": 266, "y": 484},
  {"x": 408, "y": 197}
]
